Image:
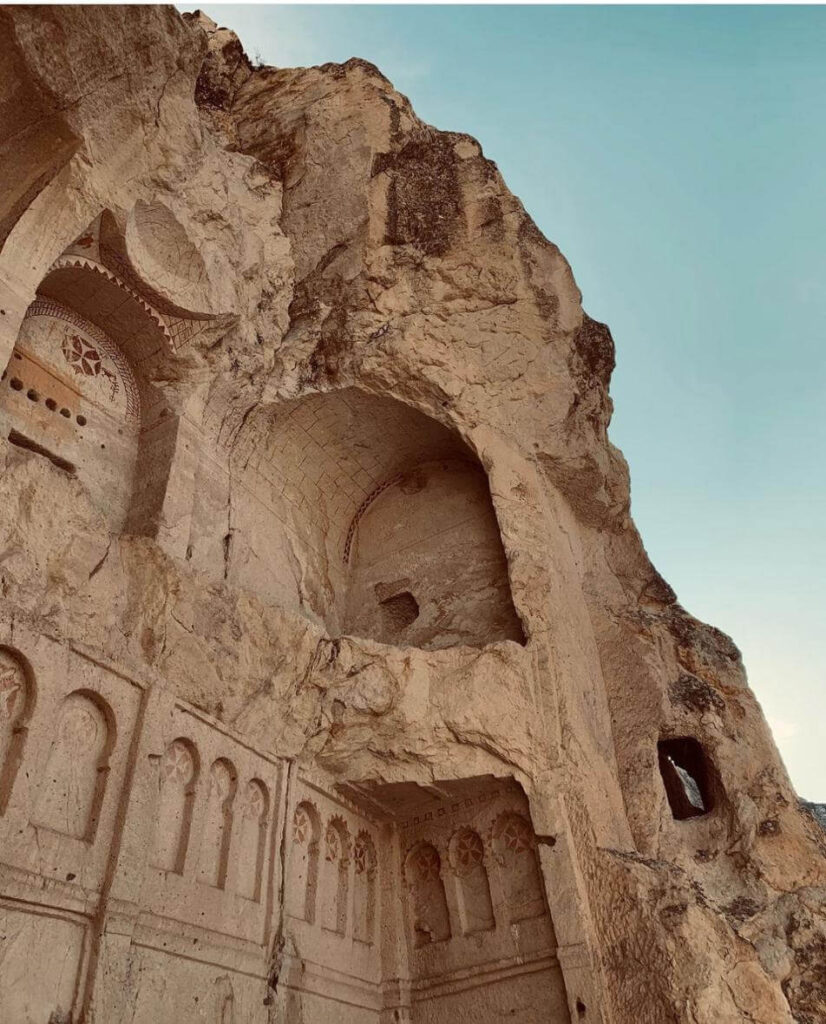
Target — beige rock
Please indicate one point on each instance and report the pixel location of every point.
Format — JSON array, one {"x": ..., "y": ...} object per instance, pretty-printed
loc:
[{"x": 335, "y": 682}]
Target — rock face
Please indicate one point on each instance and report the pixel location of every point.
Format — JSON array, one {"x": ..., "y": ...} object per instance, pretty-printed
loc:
[{"x": 335, "y": 682}]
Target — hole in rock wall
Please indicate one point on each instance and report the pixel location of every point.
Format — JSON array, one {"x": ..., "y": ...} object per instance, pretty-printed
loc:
[
  {"x": 367, "y": 516},
  {"x": 398, "y": 612},
  {"x": 687, "y": 777}
]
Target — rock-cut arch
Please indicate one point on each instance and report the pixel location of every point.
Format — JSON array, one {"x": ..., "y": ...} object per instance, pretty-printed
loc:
[
  {"x": 365, "y": 879},
  {"x": 303, "y": 863},
  {"x": 429, "y": 916},
  {"x": 368, "y": 516},
  {"x": 74, "y": 777},
  {"x": 179, "y": 771},
  {"x": 334, "y": 890},
  {"x": 79, "y": 387},
  {"x": 467, "y": 859},
  {"x": 17, "y": 697}
]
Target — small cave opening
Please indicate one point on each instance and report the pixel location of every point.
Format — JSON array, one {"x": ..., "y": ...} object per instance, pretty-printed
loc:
[
  {"x": 398, "y": 612},
  {"x": 687, "y": 777}
]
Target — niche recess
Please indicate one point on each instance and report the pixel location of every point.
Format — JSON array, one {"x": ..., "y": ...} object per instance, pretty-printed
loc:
[
  {"x": 369, "y": 517},
  {"x": 77, "y": 389},
  {"x": 463, "y": 882},
  {"x": 687, "y": 777}
]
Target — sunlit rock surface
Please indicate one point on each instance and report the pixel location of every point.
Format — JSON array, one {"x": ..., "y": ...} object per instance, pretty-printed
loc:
[{"x": 335, "y": 682}]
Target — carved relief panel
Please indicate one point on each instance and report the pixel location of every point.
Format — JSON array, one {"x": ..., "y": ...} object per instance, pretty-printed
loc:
[
  {"x": 62, "y": 760},
  {"x": 516, "y": 847},
  {"x": 73, "y": 783},
  {"x": 212, "y": 863},
  {"x": 470, "y": 874},
  {"x": 178, "y": 784},
  {"x": 303, "y": 870},
  {"x": 423, "y": 876},
  {"x": 332, "y": 899},
  {"x": 473, "y": 888}
]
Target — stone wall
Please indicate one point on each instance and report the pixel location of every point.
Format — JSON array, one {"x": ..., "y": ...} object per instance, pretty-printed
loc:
[
  {"x": 173, "y": 862},
  {"x": 338, "y": 684}
]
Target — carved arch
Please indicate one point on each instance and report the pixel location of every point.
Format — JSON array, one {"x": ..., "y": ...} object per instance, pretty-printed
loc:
[
  {"x": 73, "y": 783},
  {"x": 252, "y": 839},
  {"x": 179, "y": 772},
  {"x": 17, "y": 700},
  {"x": 365, "y": 878},
  {"x": 336, "y": 875},
  {"x": 218, "y": 822},
  {"x": 515, "y": 846},
  {"x": 467, "y": 859},
  {"x": 430, "y": 919},
  {"x": 304, "y": 854}
]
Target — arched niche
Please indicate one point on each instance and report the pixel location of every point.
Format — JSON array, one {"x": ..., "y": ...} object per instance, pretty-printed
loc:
[
  {"x": 218, "y": 823},
  {"x": 426, "y": 564},
  {"x": 78, "y": 389},
  {"x": 335, "y": 883},
  {"x": 303, "y": 864},
  {"x": 429, "y": 916},
  {"x": 17, "y": 696},
  {"x": 177, "y": 785},
  {"x": 73, "y": 783},
  {"x": 467, "y": 858},
  {"x": 252, "y": 839},
  {"x": 365, "y": 515},
  {"x": 365, "y": 868},
  {"x": 515, "y": 845}
]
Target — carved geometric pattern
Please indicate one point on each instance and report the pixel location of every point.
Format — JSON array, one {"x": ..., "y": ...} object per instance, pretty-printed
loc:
[
  {"x": 426, "y": 863},
  {"x": 81, "y": 356},
  {"x": 332, "y": 844},
  {"x": 468, "y": 852},
  {"x": 364, "y": 855},
  {"x": 517, "y": 836},
  {"x": 103, "y": 347},
  {"x": 302, "y": 826},
  {"x": 178, "y": 763},
  {"x": 254, "y": 803}
]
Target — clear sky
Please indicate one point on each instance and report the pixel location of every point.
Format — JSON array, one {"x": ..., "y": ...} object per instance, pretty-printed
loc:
[{"x": 677, "y": 155}]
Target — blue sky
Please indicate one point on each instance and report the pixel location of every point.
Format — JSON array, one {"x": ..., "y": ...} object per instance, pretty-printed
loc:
[{"x": 676, "y": 155}]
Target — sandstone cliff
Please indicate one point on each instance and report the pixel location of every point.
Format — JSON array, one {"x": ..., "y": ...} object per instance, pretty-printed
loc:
[{"x": 345, "y": 290}]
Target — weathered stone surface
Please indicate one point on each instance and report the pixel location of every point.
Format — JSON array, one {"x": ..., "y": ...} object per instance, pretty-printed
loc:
[{"x": 336, "y": 684}]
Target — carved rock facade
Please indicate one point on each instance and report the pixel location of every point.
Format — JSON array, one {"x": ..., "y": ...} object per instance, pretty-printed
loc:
[{"x": 335, "y": 683}]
